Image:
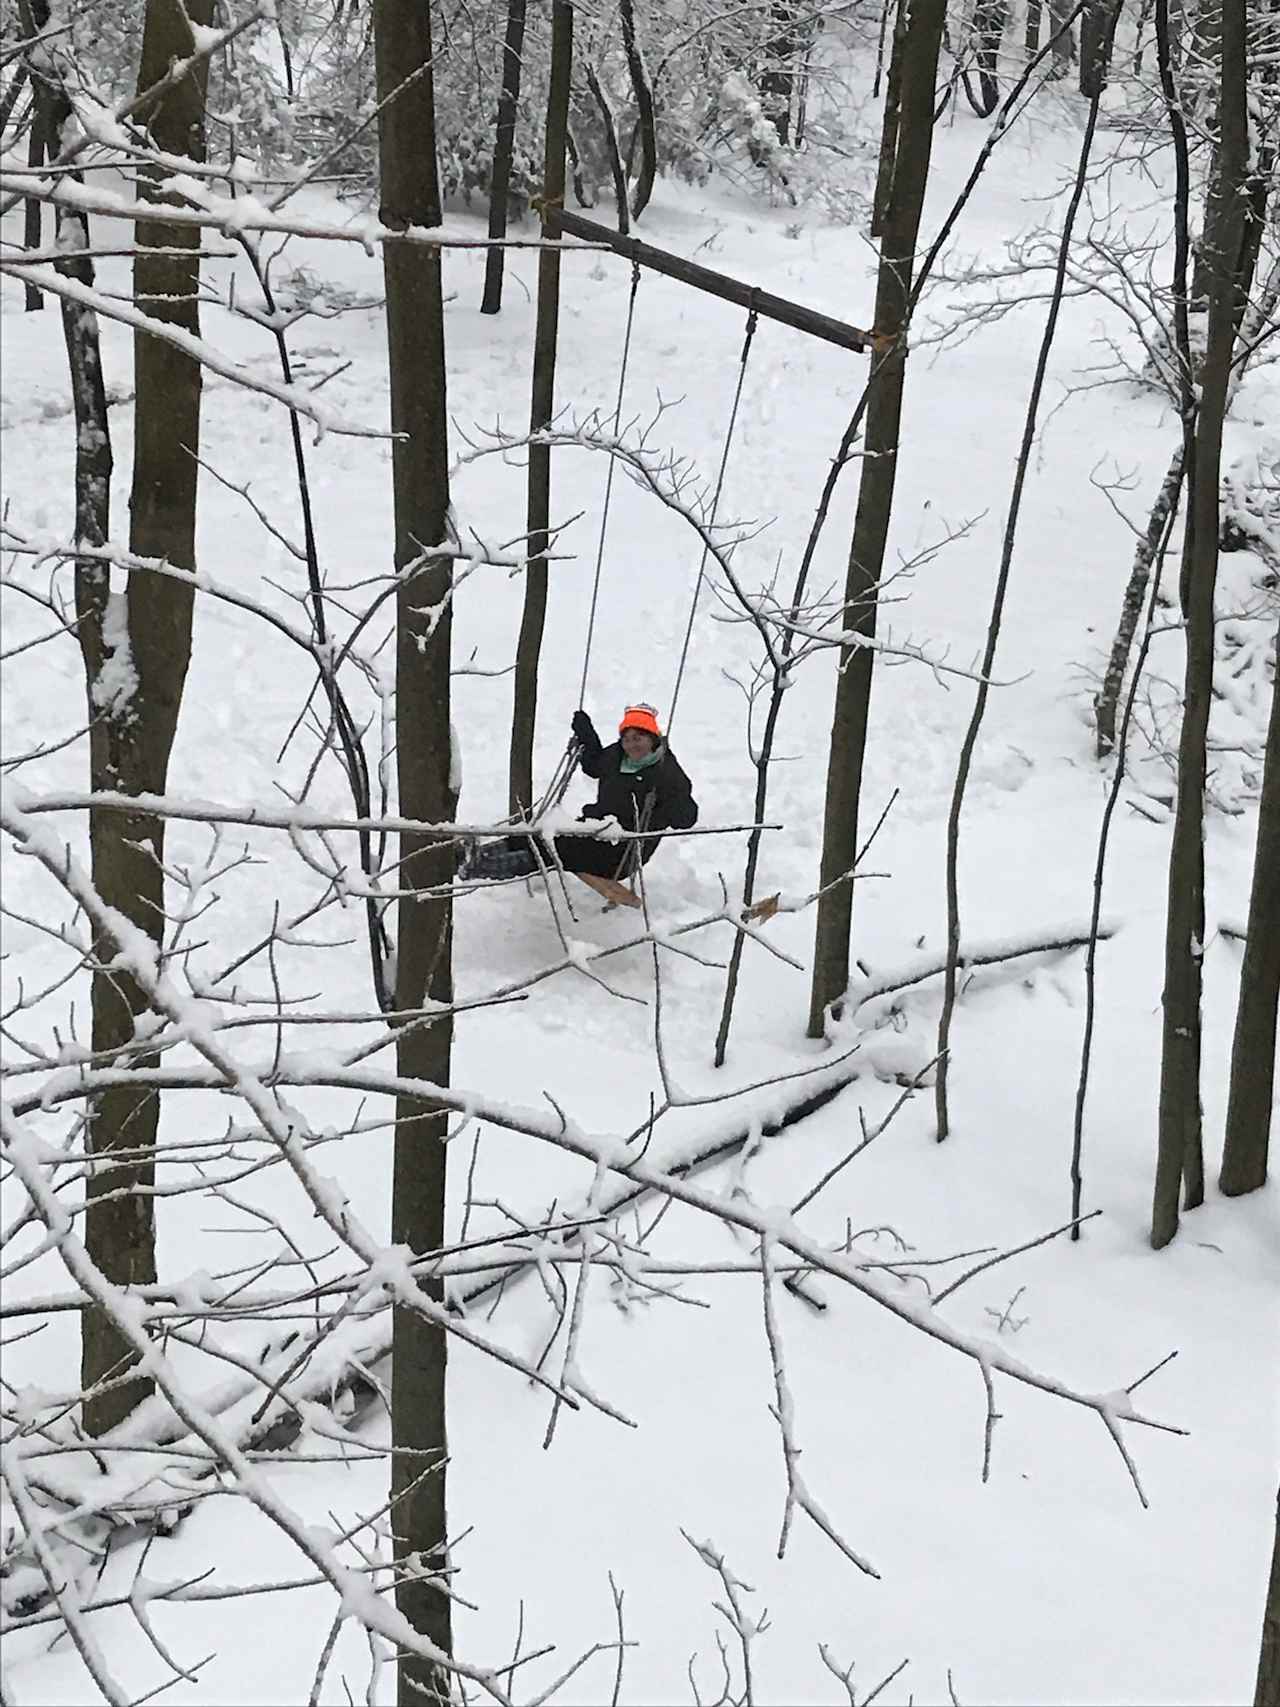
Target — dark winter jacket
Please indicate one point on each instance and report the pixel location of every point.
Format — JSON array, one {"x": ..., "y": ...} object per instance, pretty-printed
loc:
[{"x": 659, "y": 797}]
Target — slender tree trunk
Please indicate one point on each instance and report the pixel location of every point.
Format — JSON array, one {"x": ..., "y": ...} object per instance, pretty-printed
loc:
[
  {"x": 942, "y": 1080},
  {"x": 1032, "y": 37},
  {"x": 13, "y": 90},
  {"x": 778, "y": 80},
  {"x": 136, "y": 683},
  {"x": 33, "y": 299},
  {"x": 504, "y": 136},
  {"x": 885, "y": 7},
  {"x": 524, "y": 712},
  {"x": 646, "y": 123},
  {"x": 1108, "y": 696},
  {"x": 410, "y": 195},
  {"x": 1179, "y": 1151},
  {"x": 1107, "y": 700},
  {"x": 1064, "y": 44},
  {"x": 1251, "y": 1104},
  {"x": 921, "y": 39},
  {"x": 1095, "y": 47},
  {"x": 1267, "y": 1692},
  {"x": 889, "y": 128},
  {"x": 609, "y": 125}
]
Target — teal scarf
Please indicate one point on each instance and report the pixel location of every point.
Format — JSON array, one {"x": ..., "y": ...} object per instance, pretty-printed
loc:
[{"x": 632, "y": 767}]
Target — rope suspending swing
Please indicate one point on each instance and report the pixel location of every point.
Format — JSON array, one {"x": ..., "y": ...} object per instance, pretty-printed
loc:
[
  {"x": 568, "y": 764},
  {"x": 563, "y": 776},
  {"x": 753, "y": 319}
]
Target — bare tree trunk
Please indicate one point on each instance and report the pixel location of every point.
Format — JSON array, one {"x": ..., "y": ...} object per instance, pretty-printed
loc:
[
  {"x": 1180, "y": 1152},
  {"x": 1107, "y": 700},
  {"x": 33, "y": 299},
  {"x": 989, "y": 18},
  {"x": 1096, "y": 34},
  {"x": 504, "y": 135},
  {"x": 646, "y": 123},
  {"x": 410, "y": 195},
  {"x": 1251, "y": 1102},
  {"x": 970, "y": 741},
  {"x": 1064, "y": 44},
  {"x": 778, "y": 79},
  {"x": 921, "y": 39},
  {"x": 889, "y": 128},
  {"x": 1108, "y": 696},
  {"x": 885, "y": 7},
  {"x": 609, "y": 125},
  {"x": 524, "y": 712},
  {"x": 1032, "y": 36},
  {"x": 13, "y": 90},
  {"x": 137, "y": 666},
  {"x": 1267, "y": 1692}
]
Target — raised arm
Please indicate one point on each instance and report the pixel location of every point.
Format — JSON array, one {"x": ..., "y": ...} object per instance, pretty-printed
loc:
[{"x": 584, "y": 733}]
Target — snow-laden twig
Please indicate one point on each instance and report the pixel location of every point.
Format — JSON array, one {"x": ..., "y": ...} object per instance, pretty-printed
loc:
[
  {"x": 783, "y": 1412},
  {"x": 299, "y": 398},
  {"x": 358, "y": 1598}
]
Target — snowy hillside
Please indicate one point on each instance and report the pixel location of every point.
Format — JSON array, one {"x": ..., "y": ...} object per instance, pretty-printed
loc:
[{"x": 1050, "y": 1582}]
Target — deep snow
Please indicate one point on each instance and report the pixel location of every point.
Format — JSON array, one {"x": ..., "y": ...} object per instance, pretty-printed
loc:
[{"x": 1050, "y": 1584}]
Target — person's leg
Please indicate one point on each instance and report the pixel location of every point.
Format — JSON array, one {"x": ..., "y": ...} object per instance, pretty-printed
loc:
[
  {"x": 508, "y": 858},
  {"x": 585, "y": 856}
]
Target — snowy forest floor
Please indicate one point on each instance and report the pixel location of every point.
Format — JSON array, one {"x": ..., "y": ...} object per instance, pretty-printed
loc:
[{"x": 1049, "y": 1584}]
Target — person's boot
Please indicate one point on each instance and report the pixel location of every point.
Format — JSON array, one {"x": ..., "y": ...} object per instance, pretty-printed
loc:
[{"x": 494, "y": 861}]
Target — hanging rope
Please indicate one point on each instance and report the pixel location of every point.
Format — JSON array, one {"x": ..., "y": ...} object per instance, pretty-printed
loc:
[
  {"x": 752, "y": 320},
  {"x": 608, "y": 484}
]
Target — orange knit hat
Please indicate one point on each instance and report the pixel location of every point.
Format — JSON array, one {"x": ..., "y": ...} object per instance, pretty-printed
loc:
[{"x": 643, "y": 717}]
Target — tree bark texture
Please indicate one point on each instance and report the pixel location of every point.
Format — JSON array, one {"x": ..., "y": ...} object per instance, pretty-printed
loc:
[
  {"x": 410, "y": 195},
  {"x": 921, "y": 39},
  {"x": 1064, "y": 37},
  {"x": 137, "y": 645},
  {"x": 970, "y": 742},
  {"x": 646, "y": 122},
  {"x": 989, "y": 18},
  {"x": 617, "y": 170},
  {"x": 1267, "y": 1692},
  {"x": 1179, "y": 1148},
  {"x": 778, "y": 79},
  {"x": 1095, "y": 47},
  {"x": 33, "y": 299},
  {"x": 1106, "y": 701},
  {"x": 524, "y": 713},
  {"x": 1108, "y": 697},
  {"x": 889, "y": 127},
  {"x": 504, "y": 136},
  {"x": 1031, "y": 38},
  {"x": 1251, "y": 1102}
]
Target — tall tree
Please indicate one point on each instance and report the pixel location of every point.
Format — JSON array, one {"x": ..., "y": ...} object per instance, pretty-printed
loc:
[
  {"x": 1021, "y": 468},
  {"x": 504, "y": 136},
  {"x": 1251, "y": 1100},
  {"x": 524, "y": 711},
  {"x": 646, "y": 120},
  {"x": 33, "y": 299},
  {"x": 1267, "y": 1691},
  {"x": 410, "y": 196},
  {"x": 922, "y": 35},
  {"x": 137, "y": 646},
  {"x": 1179, "y": 1158}
]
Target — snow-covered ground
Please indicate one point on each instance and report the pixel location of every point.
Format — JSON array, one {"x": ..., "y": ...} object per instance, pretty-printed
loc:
[{"x": 1049, "y": 1584}]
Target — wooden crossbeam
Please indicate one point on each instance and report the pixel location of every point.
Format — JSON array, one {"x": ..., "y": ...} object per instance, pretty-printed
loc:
[{"x": 779, "y": 308}]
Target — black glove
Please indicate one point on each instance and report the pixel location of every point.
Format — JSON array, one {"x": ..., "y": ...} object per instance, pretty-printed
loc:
[{"x": 584, "y": 731}]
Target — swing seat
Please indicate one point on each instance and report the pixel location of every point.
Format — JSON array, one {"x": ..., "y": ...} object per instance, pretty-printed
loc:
[{"x": 609, "y": 889}]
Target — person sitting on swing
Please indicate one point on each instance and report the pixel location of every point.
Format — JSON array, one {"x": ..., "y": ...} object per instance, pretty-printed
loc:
[{"x": 640, "y": 783}]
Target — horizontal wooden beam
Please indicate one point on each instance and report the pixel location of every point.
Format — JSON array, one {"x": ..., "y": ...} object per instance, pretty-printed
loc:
[{"x": 795, "y": 314}]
